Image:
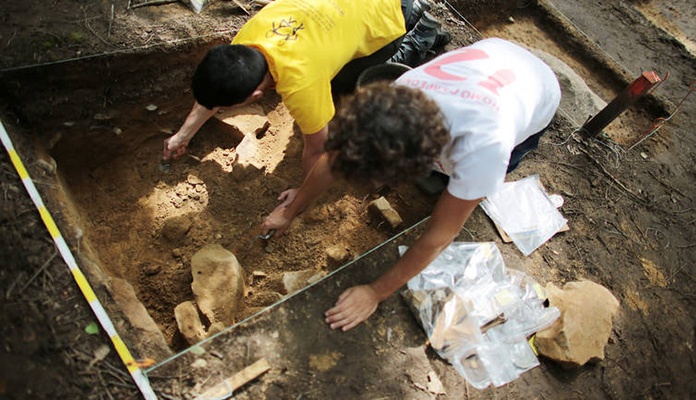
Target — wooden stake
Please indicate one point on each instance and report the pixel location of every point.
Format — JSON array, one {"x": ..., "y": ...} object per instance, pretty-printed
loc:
[{"x": 225, "y": 389}]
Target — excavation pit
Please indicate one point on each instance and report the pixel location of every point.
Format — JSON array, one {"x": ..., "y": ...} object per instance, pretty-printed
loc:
[{"x": 92, "y": 133}]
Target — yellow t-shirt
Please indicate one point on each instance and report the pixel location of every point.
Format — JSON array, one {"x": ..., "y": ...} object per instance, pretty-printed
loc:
[{"x": 307, "y": 42}]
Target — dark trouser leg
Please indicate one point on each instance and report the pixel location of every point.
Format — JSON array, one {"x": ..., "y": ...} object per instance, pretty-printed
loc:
[
  {"x": 523, "y": 148},
  {"x": 344, "y": 82},
  {"x": 418, "y": 41}
]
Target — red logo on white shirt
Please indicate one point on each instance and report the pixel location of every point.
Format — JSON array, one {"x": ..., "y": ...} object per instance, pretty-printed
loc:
[{"x": 497, "y": 80}]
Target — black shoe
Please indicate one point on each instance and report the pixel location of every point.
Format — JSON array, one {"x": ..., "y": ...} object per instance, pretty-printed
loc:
[
  {"x": 433, "y": 184},
  {"x": 427, "y": 22},
  {"x": 418, "y": 41},
  {"x": 443, "y": 38},
  {"x": 419, "y": 7},
  {"x": 416, "y": 45}
]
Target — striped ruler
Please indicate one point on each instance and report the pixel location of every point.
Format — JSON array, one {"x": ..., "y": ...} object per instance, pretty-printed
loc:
[{"x": 131, "y": 364}]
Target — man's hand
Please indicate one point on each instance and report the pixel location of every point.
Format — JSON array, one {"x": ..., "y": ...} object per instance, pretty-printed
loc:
[
  {"x": 287, "y": 197},
  {"x": 174, "y": 147},
  {"x": 354, "y": 306},
  {"x": 278, "y": 220}
]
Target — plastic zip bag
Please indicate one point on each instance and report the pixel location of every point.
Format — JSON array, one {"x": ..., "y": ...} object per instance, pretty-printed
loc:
[
  {"x": 525, "y": 212},
  {"x": 477, "y": 315}
]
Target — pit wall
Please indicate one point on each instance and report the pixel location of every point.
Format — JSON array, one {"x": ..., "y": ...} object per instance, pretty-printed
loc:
[{"x": 38, "y": 106}]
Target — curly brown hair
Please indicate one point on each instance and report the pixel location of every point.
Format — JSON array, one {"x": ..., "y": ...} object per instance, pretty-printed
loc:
[{"x": 386, "y": 133}]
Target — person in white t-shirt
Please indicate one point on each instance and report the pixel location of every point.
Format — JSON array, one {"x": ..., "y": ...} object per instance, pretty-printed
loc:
[{"x": 471, "y": 113}]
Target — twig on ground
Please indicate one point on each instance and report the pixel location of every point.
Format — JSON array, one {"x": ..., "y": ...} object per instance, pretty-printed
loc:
[
  {"x": 44, "y": 183},
  {"x": 43, "y": 267},
  {"x": 617, "y": 231},
  {"x": 674, "y": 273},
  {"x": 579, "y": 168},
  {"x": 606, "y": 247},
  {"x": 13, "y": 284},
  {"x": 610, "y": 176},
  {"x": 105, "y": 386},
  {"x": 116, "y": 370},
  {"x": 567, "y": 138},
  {"x": 118, "y": 378},
  {"x": 9, "y": 41},
  {"x": 89, "y": 27},
  {"x": 111, "y": 21},
  {"x": 166, "y": 396},
  {"x": 658, "y": 233},
  {"x": 613, "y": 148},
  {"x": 666, "y": 185},
  {"x": 469, "y": 232},
  {"x": 548, "y": 260}
]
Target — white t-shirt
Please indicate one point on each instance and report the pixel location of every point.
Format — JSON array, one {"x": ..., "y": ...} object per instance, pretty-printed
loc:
[{"x": 493, "y": 94}]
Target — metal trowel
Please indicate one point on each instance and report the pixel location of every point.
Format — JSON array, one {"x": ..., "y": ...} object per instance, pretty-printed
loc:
[{"x": 263, "y": 237}]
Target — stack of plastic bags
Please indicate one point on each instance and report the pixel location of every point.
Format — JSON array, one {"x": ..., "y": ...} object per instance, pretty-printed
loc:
[
  {"x": 478, "y": 315},
  {"x": 525, "y": 212}
]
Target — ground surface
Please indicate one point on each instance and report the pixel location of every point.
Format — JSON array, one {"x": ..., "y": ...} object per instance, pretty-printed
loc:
[{"x": 631, "y": 212}]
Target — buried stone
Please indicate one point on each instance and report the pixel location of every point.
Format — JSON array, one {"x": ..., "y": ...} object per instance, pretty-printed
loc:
[
  {"x": 218, "y": 287},
  {"x": 583, "y": 330}
]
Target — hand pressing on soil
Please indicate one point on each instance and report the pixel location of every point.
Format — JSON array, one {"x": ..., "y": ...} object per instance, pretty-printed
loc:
[
  {"x": 175, "y": 145},
  {"x": 354, "y": 306},
  {"x": 295, "y": 201},
  {"x": 173, "y": 148}
]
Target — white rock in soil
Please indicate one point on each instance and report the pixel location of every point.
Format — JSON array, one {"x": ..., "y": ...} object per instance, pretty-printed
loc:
[
  {"x": 296, "y": 280},
  {"x": 250, "y": 119},
  {"x": 582, "y": 331},
  {"x": 383, "y": 209},
  {"x": 337, "y": 255},
  {"x": 218, "y": 283},
  {"x": 189, "y": 322}
]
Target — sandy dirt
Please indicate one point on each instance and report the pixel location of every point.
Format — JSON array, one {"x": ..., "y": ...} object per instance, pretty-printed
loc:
[{"x": 103, "y": 120}]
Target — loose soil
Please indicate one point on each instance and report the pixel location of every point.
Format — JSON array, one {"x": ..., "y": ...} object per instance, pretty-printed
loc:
[{"x": 631, "y": 213}]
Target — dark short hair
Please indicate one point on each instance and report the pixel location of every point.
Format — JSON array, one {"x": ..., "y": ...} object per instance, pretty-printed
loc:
[
  {"x": 387, "y": 133},
  {"x": 228, "y": 74}
]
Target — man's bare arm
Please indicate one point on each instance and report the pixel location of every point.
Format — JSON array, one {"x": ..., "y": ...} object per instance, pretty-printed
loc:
[
  {"x": 313, "y": 148},
  {"x": 317, "y": 182},
  {"x": 175, "y": 145},
  {"x": 357, "y": 303}
]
